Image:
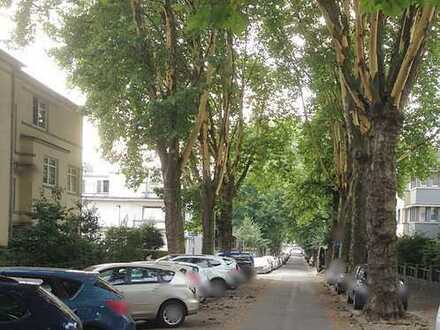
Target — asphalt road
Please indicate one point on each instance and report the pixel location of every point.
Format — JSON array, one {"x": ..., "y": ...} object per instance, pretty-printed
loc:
[{"x": 290, "y": 302}]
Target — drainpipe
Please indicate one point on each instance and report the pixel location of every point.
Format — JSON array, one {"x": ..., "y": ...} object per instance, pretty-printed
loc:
[{"x": 12, "y": 155}]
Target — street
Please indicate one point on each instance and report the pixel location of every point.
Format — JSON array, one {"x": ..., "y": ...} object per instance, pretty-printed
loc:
[
  {"x": 286, "y": 299},
  {"x": 291, "y": 302}
]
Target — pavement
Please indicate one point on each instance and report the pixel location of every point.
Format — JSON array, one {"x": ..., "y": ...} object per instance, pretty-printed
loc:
[{"x": 290, "y": 302}]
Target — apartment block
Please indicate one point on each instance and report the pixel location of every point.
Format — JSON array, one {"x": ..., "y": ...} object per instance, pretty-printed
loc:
[
  {"x": 419, "y": 212},
  {"x": 41, "y": 133}
]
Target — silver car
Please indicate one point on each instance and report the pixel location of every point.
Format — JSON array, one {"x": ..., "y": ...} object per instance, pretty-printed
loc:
[
  {"x": 437, "y": 320},
  {"x": 153, "y": 292}
]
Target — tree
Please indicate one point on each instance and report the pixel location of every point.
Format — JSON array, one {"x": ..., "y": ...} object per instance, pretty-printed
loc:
[{"x": 150, "y": 89}]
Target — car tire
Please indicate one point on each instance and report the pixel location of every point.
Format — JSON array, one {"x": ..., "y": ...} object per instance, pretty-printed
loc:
[
  {"x": 218, "y": 287},
  {"x": 171, "y": 314},
  {"x": 405, "y": 304},
  {"x": 358, "y": 304}
]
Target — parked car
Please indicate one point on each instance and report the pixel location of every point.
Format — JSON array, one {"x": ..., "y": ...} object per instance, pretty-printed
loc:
[
  {"x": 244, "y": 260},
  {"x": 97, "y": 304},
  {"x": 262, "y": 265},
  {"x": 196, "y": 276},
  {"x": 30, "y": 307},
  {"x": 221, "y": 273},
  {"x": 437, "y": 320},
  {"x": 357, "y": 293},
  {"x": 334, "y": 271},
  {"x": 153, "y": 291},
  {"x": 246, "y": 264}
]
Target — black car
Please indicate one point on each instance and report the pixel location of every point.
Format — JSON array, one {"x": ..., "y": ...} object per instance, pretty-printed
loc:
[
  {"x": 245, "y": 262},
  {"x": 357, "y": 290},
  {"x": 28, "y": 306}
]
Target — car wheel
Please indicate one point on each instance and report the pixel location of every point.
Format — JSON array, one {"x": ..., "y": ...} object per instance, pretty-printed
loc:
[
  {"x": 172, "y": 314},
  {"x": 338, "y": 289},
  {"x": 357, "y": 302},
  {"x": 405, "y": 304},
  {"x": 218, "y": 287}
]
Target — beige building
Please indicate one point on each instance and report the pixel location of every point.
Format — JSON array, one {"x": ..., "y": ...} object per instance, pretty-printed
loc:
[{"x": 40, "y": 149}]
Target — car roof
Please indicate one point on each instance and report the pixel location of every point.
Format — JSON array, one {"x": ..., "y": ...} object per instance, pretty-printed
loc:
[
  {"x": 151, "y": 264},
  {"x": 78, "y": 275}
]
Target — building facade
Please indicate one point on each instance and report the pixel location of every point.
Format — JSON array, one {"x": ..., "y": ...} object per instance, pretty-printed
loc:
[
  {"x": 118, "y": 205},
  {"x": 41, "y": 134},
  {"x": 419, "y": 212}
]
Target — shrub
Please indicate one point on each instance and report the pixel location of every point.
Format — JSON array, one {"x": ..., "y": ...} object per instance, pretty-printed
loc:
[
  {"x": 124, "y": 244},
  {"x": 58, "y": 237}
]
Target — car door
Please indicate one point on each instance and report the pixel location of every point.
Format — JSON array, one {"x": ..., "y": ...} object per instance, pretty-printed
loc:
[
  {"x": 14, "y": 314},
  {"x": 142, "y": 291}
]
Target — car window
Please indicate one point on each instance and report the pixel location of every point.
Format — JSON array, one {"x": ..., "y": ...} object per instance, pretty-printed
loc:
[
  {"x": 10, "y": 308},
  {"x": 201, "y": 262},
  {"x": 213, "y": 263},
  {"x": 144, "y": 275},
  {"x": 70, "y": 287},
  {"x": 166, "y": 275},
  {"x": 149, "y": 275},
  {"x": 115, "y": 276},
  {"x": 184, "y": 259}
]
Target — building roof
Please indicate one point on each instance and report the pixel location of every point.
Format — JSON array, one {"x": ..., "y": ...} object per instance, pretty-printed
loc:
[{"x": 16, "y": 64}]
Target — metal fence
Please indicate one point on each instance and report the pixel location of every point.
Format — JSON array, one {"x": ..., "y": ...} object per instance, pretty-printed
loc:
[{"x": 420, "y": 272}]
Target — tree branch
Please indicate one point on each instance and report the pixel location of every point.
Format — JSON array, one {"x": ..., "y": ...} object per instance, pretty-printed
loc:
[
  {"x": 203, "y": 102},
  {"x": 419, "y": 33}
]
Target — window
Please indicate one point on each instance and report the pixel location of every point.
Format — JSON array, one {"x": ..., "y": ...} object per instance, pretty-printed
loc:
[
  {"x": 144, "y": 275},
  {"x": 72, "y": 180},
  {"x": 102, "y": 186},
  {"x": 50, "y": 170},
  {"x": 148, "y": 275},
  {"x": 214, "y": 263},
  {"x": 115, "y": 276},
  {"x": 413, "y": 214},
  {"x": 10, "y": 308},
  {"x": 436, "y": 179},
  {"x": 71, "y": 287},
  {"x": 39, "y": 113}
]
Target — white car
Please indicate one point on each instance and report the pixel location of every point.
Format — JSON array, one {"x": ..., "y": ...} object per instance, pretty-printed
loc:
[
  {"x": 221, "y": 271},
  {"x": 197, "y": 277},
  {"x": 262, "y": 265},
  {"x": 152, "y": 291}
]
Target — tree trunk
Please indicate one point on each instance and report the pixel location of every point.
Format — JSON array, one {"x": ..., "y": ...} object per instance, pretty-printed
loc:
[
  {"x": 383, "y": 302},
  {"x": 207, "y": 199},
  {"x": 224, "y": 224},
  {"x": 172, "y": 199},
  {"x": 358, "y": 192},
  {"x": 344, "y": 218}
]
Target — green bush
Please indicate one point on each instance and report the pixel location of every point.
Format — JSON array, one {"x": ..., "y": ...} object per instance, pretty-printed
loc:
[
  {"x": 58, "y": 237},
  {"x": 418, "y": 250},
  {"x": 72, "y": 238},
  {"x": 124, "y": 244}
]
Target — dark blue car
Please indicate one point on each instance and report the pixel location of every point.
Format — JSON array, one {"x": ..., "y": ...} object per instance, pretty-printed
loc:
[
  {"x": 97, "y": 303},
  {"x": 28, "y": 306}
]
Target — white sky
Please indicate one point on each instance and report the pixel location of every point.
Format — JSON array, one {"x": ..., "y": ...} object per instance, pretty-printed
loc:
[{"x": 40, "y": 66}]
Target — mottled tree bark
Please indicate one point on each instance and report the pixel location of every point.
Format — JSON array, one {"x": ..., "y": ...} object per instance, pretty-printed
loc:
[
  {"x": 172, "y": 199},
  {"x": 207, "y": 198},
  {"x": 383, "y": 301},
  {"x": 358, "y": 198},
  {"x": 224, "y": 223}
]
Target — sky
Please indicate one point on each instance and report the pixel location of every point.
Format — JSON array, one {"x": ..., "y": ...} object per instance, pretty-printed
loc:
[{"x": 43, "y": 68}]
